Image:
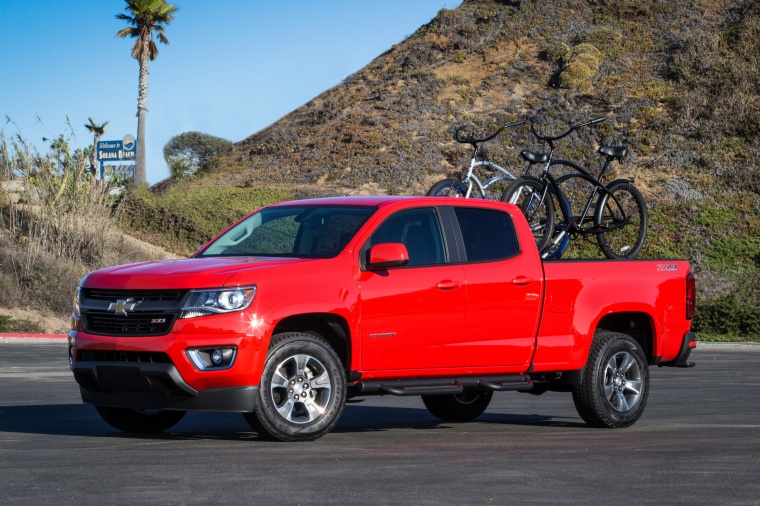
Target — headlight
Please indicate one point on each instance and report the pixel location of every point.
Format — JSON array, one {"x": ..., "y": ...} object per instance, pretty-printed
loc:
[
  {"x": 223, "y": 300},
  {"x": 76, "y": 301}
]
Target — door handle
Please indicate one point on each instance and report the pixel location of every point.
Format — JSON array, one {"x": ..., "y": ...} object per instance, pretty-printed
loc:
[
  {"x": 447, "y": 285},
  {"x": 522, "y": 281}
]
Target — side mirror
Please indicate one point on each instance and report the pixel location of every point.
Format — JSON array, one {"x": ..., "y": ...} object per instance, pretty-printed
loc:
[{"x": 387, "y": 255}]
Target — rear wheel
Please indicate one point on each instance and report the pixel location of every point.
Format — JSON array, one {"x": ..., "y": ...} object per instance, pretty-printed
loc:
[
  {"x": 615, "y": 384},
  {"x": 448, "y": 188},
  {"x": 139, "y": 421},
  {"x": 558, "y": 244},
  {"x": 302, "y": 391},
  {"x": 463, "y": 407},
  {"x": 622, "y": 211},
  {"x": 528, "y": 195}
]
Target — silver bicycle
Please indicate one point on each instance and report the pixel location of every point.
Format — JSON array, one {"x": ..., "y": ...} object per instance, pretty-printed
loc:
[{"x": 471, "y": 185}]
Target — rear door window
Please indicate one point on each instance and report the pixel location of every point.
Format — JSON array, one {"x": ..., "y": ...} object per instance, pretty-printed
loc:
[{"x": 488, "y": 234}]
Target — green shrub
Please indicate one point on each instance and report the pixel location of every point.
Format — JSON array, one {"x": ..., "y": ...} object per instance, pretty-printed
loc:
[
  {"x": 575, "y": 75},
  {"x": 731, "y": 314},
  {"x": 556, "y": 52},
  {"x": 585, "y": 49},
  {"x": 588, "y": 59}
]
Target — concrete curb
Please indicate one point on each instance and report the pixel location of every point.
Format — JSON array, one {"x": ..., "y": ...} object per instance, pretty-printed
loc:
[{"x": 32, "y": 336}]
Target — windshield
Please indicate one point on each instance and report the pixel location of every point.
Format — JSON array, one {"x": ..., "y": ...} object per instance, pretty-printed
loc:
[{"x": 292, "y": 231}]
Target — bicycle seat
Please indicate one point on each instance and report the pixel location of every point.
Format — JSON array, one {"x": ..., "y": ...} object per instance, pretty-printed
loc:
[
  {"x": 534, "y": 156},
  {"x": 614, "y": 151}
]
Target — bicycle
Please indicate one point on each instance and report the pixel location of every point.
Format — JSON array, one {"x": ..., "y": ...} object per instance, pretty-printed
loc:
[
  {"x": 453, "y": 187},
  {"x": 619, "y": 220}
]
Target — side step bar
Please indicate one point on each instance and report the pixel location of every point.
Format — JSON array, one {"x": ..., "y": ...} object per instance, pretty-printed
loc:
[{"x": 448, "y": 385}]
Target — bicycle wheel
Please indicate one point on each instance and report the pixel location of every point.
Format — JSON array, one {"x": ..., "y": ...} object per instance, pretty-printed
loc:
[
  {"x": 557, "y": 246},
  {"x": 621, "y": 211},
  {"x": 448, "y": 188},
  {"x": 528, "y": 195}
]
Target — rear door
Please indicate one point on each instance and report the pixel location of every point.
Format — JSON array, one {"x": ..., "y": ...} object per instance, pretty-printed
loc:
[
  {"x": 413, "y": 316},
  {"x": 503, "y": 290}
]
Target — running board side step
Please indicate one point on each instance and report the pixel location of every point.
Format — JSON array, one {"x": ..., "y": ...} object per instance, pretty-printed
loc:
[{"x": 449, "y": 385}]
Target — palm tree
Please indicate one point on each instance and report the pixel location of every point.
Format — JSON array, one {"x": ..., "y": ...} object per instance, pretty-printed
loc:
[
  {"x": 97, "y": 131},
  {"x": 146, "y": 17}
]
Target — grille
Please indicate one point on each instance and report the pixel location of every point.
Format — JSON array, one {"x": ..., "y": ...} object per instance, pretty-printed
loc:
[
  {"x": 124, "y": 356},
  {"x": 140, "y": 323},
  {"x": 153, "y": 314}
]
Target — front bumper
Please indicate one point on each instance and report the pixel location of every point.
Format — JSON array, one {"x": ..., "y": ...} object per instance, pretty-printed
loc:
[{"x": 155, "y": 386}]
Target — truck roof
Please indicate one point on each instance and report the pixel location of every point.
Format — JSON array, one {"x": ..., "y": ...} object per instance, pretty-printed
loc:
[{"x": 381, "y": 200}]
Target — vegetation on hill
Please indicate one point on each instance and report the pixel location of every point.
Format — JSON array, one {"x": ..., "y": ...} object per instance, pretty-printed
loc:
[{"x": 678, "y": 82}]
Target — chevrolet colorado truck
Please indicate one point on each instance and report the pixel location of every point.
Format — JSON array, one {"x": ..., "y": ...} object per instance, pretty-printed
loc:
[{"x": 302, "y": 305}]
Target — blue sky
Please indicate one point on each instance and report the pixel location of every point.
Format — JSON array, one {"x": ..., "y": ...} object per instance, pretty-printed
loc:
[{"x": 232, "y": 67}]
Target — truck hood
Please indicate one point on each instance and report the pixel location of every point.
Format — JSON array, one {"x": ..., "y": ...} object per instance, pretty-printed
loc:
[{"x": 185, "y": 273}]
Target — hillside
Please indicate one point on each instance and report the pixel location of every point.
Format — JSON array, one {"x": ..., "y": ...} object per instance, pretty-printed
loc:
[
  {"x": 677, "y": 80},
  {"x": 666, "y": 78}
]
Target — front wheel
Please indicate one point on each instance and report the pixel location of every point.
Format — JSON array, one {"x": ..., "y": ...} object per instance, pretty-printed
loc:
[
  {"x": 302, "y": 391},
  {"x": 621, "y": 211},
  {"x": 615, "y": 384},
  {"x": 463, "y": 407},
  {"x": 529, "y": 196},
  {"x": 448, "y": 188},
  {"x": 139, "y": 421}
]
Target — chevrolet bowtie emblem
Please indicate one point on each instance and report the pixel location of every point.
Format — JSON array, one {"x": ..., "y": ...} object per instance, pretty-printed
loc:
[{"x": 121, "y": 306}]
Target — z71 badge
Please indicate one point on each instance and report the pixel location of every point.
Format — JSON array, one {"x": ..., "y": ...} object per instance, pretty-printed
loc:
[{"x": 667, "y": 267}]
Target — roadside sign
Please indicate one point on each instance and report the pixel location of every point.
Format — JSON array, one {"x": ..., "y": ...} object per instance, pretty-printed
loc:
[
  {"x": 115, "y": 153},
  {"x": 111, "y": 151}
]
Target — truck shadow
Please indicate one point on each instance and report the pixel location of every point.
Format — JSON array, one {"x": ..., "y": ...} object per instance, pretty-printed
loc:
[{"x": 83, "y": 420}]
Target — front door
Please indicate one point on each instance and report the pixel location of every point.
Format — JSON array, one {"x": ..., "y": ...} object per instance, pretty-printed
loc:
[{"x": 413, "y": 316}]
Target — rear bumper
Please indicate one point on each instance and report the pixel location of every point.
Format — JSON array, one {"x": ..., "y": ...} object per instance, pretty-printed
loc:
[
  {"x": 689, "y": 343},
  {"x": 155, "y": 386}
]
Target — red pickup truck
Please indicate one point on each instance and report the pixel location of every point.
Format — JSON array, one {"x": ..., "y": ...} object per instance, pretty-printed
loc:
[{"x": 303, "y": 304}]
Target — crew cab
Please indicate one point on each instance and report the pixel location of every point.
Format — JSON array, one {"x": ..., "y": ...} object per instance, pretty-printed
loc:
[{"x": 302, "y": 305}]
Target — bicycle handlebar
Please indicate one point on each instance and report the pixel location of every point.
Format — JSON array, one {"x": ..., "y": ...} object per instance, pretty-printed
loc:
[
  {"x": 473, "y": 141},
  {"x": 572, "y": 128}
]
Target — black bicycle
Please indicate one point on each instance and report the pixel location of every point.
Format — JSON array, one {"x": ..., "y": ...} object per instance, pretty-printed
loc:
[{"x": 619, "y": 219}]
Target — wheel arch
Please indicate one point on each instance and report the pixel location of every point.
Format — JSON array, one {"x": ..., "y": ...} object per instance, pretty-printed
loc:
[
  {"x": 331, "y": 327},
  {"x": 638, "y": 325}
]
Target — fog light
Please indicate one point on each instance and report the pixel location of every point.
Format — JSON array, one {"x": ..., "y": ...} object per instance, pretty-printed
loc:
[
  {"x": 71, "y": 355},
  {"x": 212, "y": 358}
]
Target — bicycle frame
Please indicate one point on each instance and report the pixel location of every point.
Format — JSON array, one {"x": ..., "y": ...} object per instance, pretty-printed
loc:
[
  {"x": 575, "y": 223},
  {"x": 482, "y": 186},
  {"x": 502, "y": 173}
]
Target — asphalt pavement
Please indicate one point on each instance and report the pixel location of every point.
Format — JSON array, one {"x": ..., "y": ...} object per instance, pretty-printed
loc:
[{"x": 697, "y": 443}]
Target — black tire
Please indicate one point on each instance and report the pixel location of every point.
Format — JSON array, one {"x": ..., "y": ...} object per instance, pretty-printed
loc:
[
  {"x": 139, "y": 421},
  {"x": 615, "y": 386},
  {"x": 448, "y": 188},
  {"x": 463, "y": 407},
  {"x": 621, "y": 209},
  {"x": 302, "y": 391},
  {"x": 561, "y": 209},
  {"x": 528, "y": 195}
]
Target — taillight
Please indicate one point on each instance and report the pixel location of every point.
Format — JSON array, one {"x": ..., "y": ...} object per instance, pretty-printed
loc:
[{"x": 691, "y": 296}]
